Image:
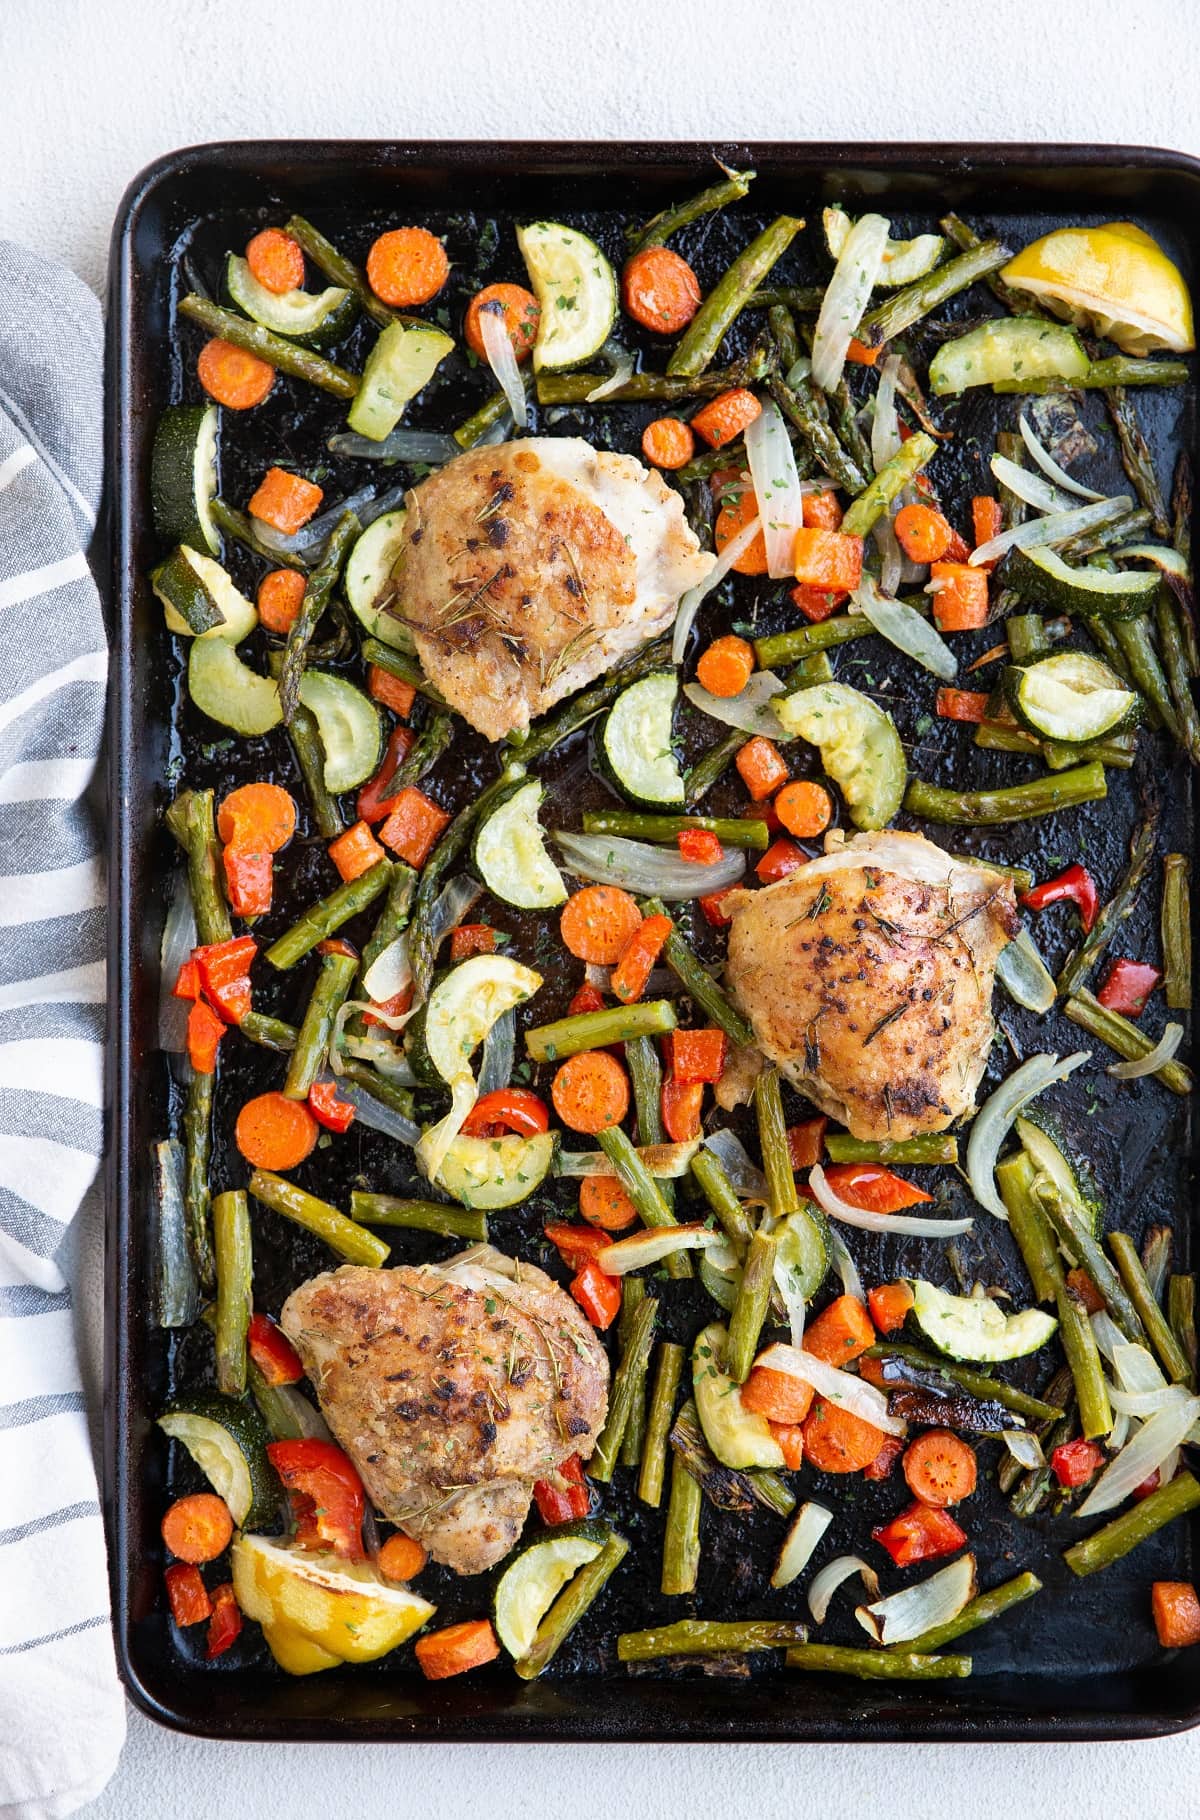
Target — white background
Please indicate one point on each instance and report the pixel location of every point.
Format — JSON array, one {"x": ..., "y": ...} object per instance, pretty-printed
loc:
[{"x": 90, "y": 91}]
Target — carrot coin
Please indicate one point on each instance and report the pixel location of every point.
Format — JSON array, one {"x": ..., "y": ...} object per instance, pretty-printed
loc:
[
  {"x": 197, "y": 1528},
  {"x": 604, "y": 1203},
  {"x": 407, "y": 266},
  {"x": 280, "y": 597},
  {"x": 520, "y": 310},
  {"x": 275, "y": 1133},
  {"x": 235, "y": 378},
  {"x": 660, "y": 290},
  {"x": 738, "y": 507},
  {"x": 598, "y": 923},
  {"x": 804, "y": 808},
  {"x": 276, "y": 260},
  {"x": 591, "y": 1091},
  {"x": 668, "y": 443}
]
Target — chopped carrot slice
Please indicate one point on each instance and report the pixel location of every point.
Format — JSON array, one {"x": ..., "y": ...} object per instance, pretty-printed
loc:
[
  {"x": 576, "y": 1245},
  {"x": 987, "y": 521},
  {"x": 472, "y": 938},
  {"x": 827, "y": 559},
  {"x": 835, "y": 1440},
  {"x": 804, "y": 808},
  {"x": 401, "y": 1558},
  {"x": 889, "y": 1305},
  {"x": 726, "y": 667},
  {"x": 598, "y": 923},
  {"x": 840, "y": 1332},
  {"x": 355, "y": 851},
  {"x": 660, "y": 290},
  {"x": 198, "y": 1528},
  {"x": 777, "y": 1395},
  {"x": 407, "y": 266},
  {"x": 682, "y": 1102},
  {"x": 860, "y": 355},
  {"x": 1080, "y": 1282},
  {"x": 391, "y": 691},
  {"x": 257, "y": 816},
  {"x": 459, "y": 1647},
  {"x": 816, "y": 604},
  {"x": 1176, "y": 1613},
  {"x": 940, "y": 1468},
  {"x": 738, "y": 507},
  {"x": 414, "y": 826},
  {"x": 275, "y": 1133},
  {"x": 821, "y": 511},
  {"x": 760, "y": 767},
  {"x": 286, "y": 501},
  {"x": 631, "y": 972},
  {"x": 234, "y": 377},
  {"x": 280, "y": 598},
  {"x": 960, "y": 603},
  {"x": 922, "y": 533},
  {"x": 591, "y": 1091},
  {"x": 604, "y": 1203},
  {"x": 187, "y": 1594},
  {"x": 277, "y": 261},
  {"x": 520, "y": 310},
  {"x": 204, "y": 1032},
  {"x": 962, "y": 704},
  {"x": 668, "y": 442},
  {"x": 726, "y": 417},
  {"x": 789, "y": 1438}
]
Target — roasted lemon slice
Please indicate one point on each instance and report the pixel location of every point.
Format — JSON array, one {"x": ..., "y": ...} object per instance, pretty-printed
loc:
[
  {"x": 1115, "y": 280},
  {"x": 317, "y": 1610}
]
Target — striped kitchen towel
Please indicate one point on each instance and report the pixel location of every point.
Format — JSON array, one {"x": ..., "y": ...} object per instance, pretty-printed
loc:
[{"x": 61, "y": 1712}]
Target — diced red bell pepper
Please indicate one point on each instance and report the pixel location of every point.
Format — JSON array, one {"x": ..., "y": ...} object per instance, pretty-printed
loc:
[
  {"x": 373, "y": 805},
  {"x": 187, "y": 981},
  {"x": 588, "y": 998},
  {"x": 713, "y": 908},
  {"x": 472, "y": 938},
  {"x": 781, "y": 857},
  {"x": 272, "y": 1351},
  {"x": 700, "y": 845},
  {"x": 223, "y": 970},
  {"x": 576, "y": 1245},
  {"x": 249, "y": 879},
  {"x": 1074, "y": 886},
  {"x": 1075, "y": 1462},
  {"x": 565, "y": 1498},
  {"x": 697, "y": 1055},
  {"x": 396, "y": 1006},
  {"x": 889, "y": 1452},
  {"x": 1127, "y": 986},
  {"x": 817, "y": 604},
  {"x": 187, "y": 1594},
  {"x": 204, "y": 1032},
  {"x": 919, "y": 1533},
  {"x": 681, "y": 1105},
  {"x": 806, "y": 1142},
  {"x": 355, "y": 851},
  {"x": 326, "y": 1494},
  {"x": 873, "y": 1188},
  {"x": 507, "y": 1109},
  {"x": 415, "y": 825},
  {"x": 390, "y": 691},
  {"x": 598, "y": 1295},
  {"x": 889, "y": 1304},
  {"x": 225, "y": 1625},
  {"x": 328, "y": 1108},
  {"x": 1147, "y": 1486}
]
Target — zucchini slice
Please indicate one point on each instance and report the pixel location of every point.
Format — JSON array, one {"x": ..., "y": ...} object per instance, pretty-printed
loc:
[
  {"x": 859, "y": 745},
  {"x": 317, "y": 318},
  {"x": 1042, "y": 1142},
  {"x": 1072, "y": 696},
  {"x": 228, "y": 691},
  {"x": 199, "y": 599},
  {"x": 510, "y": 853},
  {"x": 803, "y": 1248},
  {"x": 737, "y": 1436},
  {"x": 534, "y": 1578},
  {"x": 404, "y": 359},
  {"x": 369, "y": 579},
  {"x": 497, "y": 1172},
  {"x": 635, "y": 745},
  {"x": 974, "y": 1328},
  {"x": 349, "y": 726},
  {"x": 577, "y": 290},
  {"x": 903, "y": 260},
  {"x": 1010, "y": 347},
  {"x": 228, "y": 1441},
  {"x": 183, "y": 476},
  {"x": 1041, "y": 576}
]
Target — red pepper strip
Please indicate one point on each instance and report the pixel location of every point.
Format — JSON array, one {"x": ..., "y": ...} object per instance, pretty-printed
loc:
[
  {"x": 700, "y": 845},
  {"x": 588, "y": 998},
  {"x": 1127, "y": 986},
  {"x": 806, "y": 1142},
  {"x": 190, "y": 1603},
  {"x": 781, "y": 857},
  {"x": 204, "y": 1032},
  {"x": 598, "y": 1295},
  {"x": 507, "y": 1109},
  {"x": 565, "y": 1497},
  {"x": 326, "y": 1494},
  {"x": 187, "y": 982},
  {"x": 225, "y": 1625},
  {"x": 223, "y": 969},
  {"x": 873, "y": 1188},
  {"x": 681, "y": 1105},
  {"x": 919, "y": 1533},
  {"x": 885, "y": 1459},
  {"x": 328, "y": 1109},
  {"x": 389, "y": 1007},
  {"x": 576, "y": 1245},
  {"x": 272, "y": 1351},
  {"x": 373, "y": 806},
  {"x": 1075, "y": 1462},
  {"x": 1075, "y": 886}
]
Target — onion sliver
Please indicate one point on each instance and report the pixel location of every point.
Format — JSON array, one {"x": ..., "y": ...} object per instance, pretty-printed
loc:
[
  {"x": 389, "y": 973},
  {"x": 1057, "y": 527},
  {"x": 840, "y": 1387},
  {"x": 310, "y": 538},
  {"x": 750, "y": 709},
  {"x": 1048, "y": 465},
  {"x": 800, "y": 1543},
  {"x": 834, "y": 1574},
  {"x": 377, "y": 1117},
  {"x": 646, "y": 870},
  {"x": 911, "y": 1225},
  {"x": 1024, "y": 974},
  {"x": 994, "y": 1121},
  {"x": 665, "y": 1162},
  {"x": 690, "y": 605},
  {"x": 401, "y": 445},
  {"x": 1031, "y": 489},
  {"x": 847, "y": 1269},
  {"x": 497, "y": 345},
  {"x": 776, "y": 487},
  {"x": 646, "y": 1248},
  {"x": 885, "y": 425},
  {"x": 1024, "y": 1447},
  {"x": 621, "y": 374},
  {"x": 1154, "y": 1058},
  {"x": 905, "y": 628},
  {"x": 1141, "y": 1456},
  {"x": 498, "y": 1054},
  {"x": 925, "y": 1606},
  {"x": 846, "y": 297},
  {"x": 745, "y": 1177},
  {"x": 179, "y": 937}
]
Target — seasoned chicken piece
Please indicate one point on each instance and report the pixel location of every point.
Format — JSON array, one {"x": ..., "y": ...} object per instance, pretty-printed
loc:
[
  {"x": 867, "y": 975},
  {"x": 452, "y": 1388},
  {"x": 531, "y": 567}
]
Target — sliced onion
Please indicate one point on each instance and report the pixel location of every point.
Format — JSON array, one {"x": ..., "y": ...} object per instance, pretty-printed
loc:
[
  {"x": 911, "y": 1225},
  {"x": 383, "y": 502},
  {"x": 402, "y": 445},
  {"x": 179, "y": 937},
  {"x": 178, "y": 1291},
  {"x": 1057, "y": 527},
  {"x": 389, "y": 973},
  {"x": 621, "y": 374},
  {"x": 1048, "y": 465},
  {"x": 497, "y": 345},
  {"x": 386, "y": 1058},
  {"x": 750, "y": 709},
  {"x": 1024, "y": 1447},
  {"x": 1141, "y": 1456},
  {"x": 645, "y": 1248},
  {"x": 1106, "y": 1333},
  {"x": 1162, "y": 1052},
  {"x": 1143, "y": 1403},
  {"x": 910, "y": 1613},
  {"x": 1136, "y": 1367},
  {"x": 776, "y": 487},
  {"x": 666, "y": 1162},
  {"x": 454, "y": 901},
  {"x": 1031, "y": 489},
  {"x": 846, "y": 297},
  {"x": 646, "y": 870},
  {"x": 840, "y": 1387},
  {"x": 691, "y": 602},
  {"x": 498, "y": 1054},
  {"x": 995, "y": 1119},
  {"x": 1118, "y": 1434},
  {"x": 847, "y": 1269},
  {"x": 1024, "y": 974},
  {"x": 800, "y": 1543},
  {"x": 885, "y": 424},
  {"x": 891, "y": 556},
  {"x": 785, "y": 1282},
  {"x": 308, "y": 540},
  {"x": 800, "y": 370},
  {"x": 905, "y": 628},
  {"x": 746, "y": 1178},
  {"x": 377, "y": 1117},
  {"x": 834, "y": 1574}
]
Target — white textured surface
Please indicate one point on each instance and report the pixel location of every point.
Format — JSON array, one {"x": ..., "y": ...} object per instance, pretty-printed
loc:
[{"x": 90, "y": 91}]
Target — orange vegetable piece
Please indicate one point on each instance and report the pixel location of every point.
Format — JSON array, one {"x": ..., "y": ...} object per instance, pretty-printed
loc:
[
  {"x": 204, "y": 1032},
  {"x": 391, "y": 691},
  {"x": 727, "y": 666},
  {"x": 355, "y": 851},
  {"x": 591, "y": 1091},
  {"x": 401, "y": 1558},
  {"x": 198, "y": 1528},
  {"x": 821, "y": 511},
  {"x": 804, "y": 808},
  {"x": 889, "y": 1305},
  {"x": 827, "y": 559},
  {"x": 604, "y": 1203},
  {"x": 631, "y": 972},
  {"x": 407, "y": 266},
  {"x": 286, "y": 501},
  {"x": 234, "y": 377},
  {"x": 257, "y": 816},
  {"x": 940, "y": 1468},
  {"x": 840, "y": 1332},
  {"x": 961, "y": 603},
  {"x": 1080, "y": 1281},
  {"x": 472, "y": 938},
  {"x": 276, "y": 260},
  {"x": 922, "y": 533},
  {"x": 777, "y": 1395},
  {"x": 275, "y": 1133},
  {"x": 835, "y": 1440},
  {"x": 873, "y": 1188},
  {"x": 697, "y": 1055},
  {"x": 760, "y": 767},
  {"x": 861, "y": 355},
  {"x": 576, "y": 1245},
  {"x": 280, "y": 597},
  {"x": 598, "y": 1295},
  {"x": 668, "y": 442},
  {"x": 962, "y": 704},
  {"x": 660, "y": 290},
  {"x": 249, "y": 880},
  {"x": 726, "y": 417},
  {"x": 225, "y": 1625},
  {"x": 681, "y": 1104},
  {"x": 520, "y": 310},
  {"x": 460, "y": 1646},
  {"x": 817, "y": 604},
  {"x": 187, "y": 1594},
  {"x": 598, "y": 923},
  {"x": 806, "y": 1142},
  {"x": 373, "y": 805},
  {"x": 789, "y": 1438},
  {"x": 738, "y": 507},
  {"x": 987, "y": 521},
  {"x": 413, "y": 827},
  {"x": 1176, "y": 1613},
  {"x": 781, "y": 857}
]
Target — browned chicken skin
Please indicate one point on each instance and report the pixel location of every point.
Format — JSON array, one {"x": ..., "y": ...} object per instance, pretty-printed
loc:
[
  {"x": 532, "y": 567},
  {"x": 452, "y": 1388},
  {"x": 867, "y": 975}
]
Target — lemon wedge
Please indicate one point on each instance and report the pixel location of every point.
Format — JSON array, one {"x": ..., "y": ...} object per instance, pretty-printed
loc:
[
  {"x": 317, "y": 1610},
  {"x": 1115, "y": 280}
]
